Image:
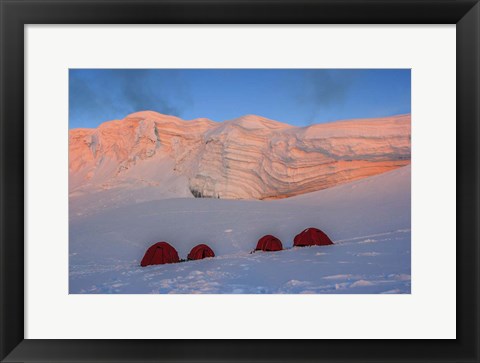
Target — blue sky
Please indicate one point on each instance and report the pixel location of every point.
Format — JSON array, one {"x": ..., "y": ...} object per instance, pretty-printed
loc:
[{"x": 296, "y": 96}]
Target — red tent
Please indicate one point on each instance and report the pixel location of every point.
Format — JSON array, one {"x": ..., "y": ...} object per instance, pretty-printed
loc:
[
  {"x": 160, "y": 253},
  {"x": 311, "y": 237},
  {"x": 200, "y": 251},
  {"x": 269, "y": 243}
]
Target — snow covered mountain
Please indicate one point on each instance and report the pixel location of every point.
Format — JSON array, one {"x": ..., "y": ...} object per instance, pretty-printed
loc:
[
  {"x": 133, "y": 182},
  {"x": 246, "y": 158}
]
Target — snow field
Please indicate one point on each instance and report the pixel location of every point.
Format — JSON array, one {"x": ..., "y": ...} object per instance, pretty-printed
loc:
[{"x": 368, "y": 220}]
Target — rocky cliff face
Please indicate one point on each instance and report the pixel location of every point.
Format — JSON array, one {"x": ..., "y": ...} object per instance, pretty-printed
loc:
[{"x": 246, "y": 158}]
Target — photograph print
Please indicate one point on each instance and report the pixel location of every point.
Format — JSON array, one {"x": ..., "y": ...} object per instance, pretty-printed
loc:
[{"x": 239, "y": 181}]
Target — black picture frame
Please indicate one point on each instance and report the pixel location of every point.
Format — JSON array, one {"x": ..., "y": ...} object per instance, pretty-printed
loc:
[{"x": 15, "y": 14}]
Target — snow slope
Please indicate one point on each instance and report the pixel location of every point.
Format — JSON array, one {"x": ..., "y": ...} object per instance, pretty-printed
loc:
[
  {"x": 368, "y": 219},
  {"x": 246, "y": 158}
]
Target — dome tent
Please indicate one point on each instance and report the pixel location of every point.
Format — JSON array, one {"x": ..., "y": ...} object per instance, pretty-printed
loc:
[
  {"x": 160, "y": 253},
  {"x": 312, "y": 237},
  {"x": 200, "y": 251},
  {"x": 269, "y": 243}
]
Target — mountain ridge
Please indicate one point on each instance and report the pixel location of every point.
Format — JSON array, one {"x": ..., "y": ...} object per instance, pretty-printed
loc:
[{"x": 250, "y": 157}]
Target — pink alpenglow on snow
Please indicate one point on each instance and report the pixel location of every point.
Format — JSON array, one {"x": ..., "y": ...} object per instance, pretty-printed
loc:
[
  {"x": 155, "y": 177},
  {"x": 250, "y": 157}
]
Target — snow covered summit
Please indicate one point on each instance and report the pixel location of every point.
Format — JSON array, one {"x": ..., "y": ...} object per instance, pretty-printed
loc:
[{"x": 250, "y": 157}]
